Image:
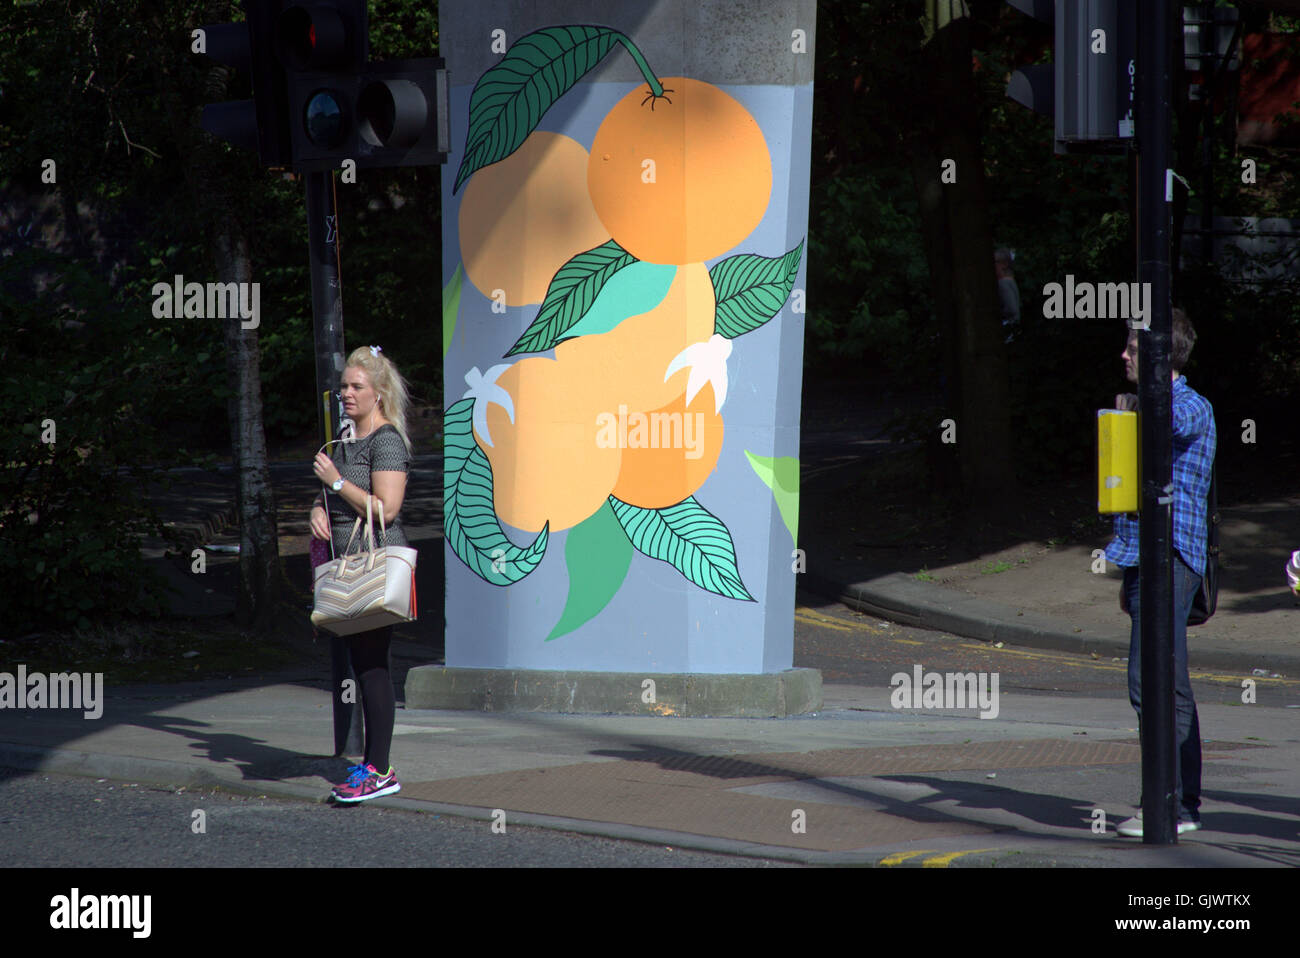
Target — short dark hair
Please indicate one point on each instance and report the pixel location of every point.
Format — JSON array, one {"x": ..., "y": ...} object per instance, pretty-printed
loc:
[{"x": 1184, "y": 338}]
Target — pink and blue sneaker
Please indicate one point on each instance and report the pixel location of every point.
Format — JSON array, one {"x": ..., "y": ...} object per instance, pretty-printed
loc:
[{"x": 366, "y": 783}]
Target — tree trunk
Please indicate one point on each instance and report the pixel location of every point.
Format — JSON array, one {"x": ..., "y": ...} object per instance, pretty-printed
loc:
[
  {"x": 941, "y": 459},
  {"x": 259, "y": 550},
  {"x": 959, "y": 245},
  {"x": 218, "y": 207}
]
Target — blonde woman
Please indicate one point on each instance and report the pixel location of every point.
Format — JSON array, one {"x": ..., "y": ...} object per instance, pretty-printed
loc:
[{"x": 373, "y": 465}]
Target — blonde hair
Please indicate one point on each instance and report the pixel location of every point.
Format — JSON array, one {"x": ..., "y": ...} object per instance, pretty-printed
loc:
[{"x": 388, "y": 382}]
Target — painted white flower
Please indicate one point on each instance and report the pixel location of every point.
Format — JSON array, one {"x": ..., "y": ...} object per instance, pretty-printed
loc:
[
  {"x": 483, "y": 389},
  {"x": 708, "y": 364}
]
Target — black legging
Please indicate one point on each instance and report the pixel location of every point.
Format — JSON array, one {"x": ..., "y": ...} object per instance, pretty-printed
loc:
[{"x": 369, "y": 654}]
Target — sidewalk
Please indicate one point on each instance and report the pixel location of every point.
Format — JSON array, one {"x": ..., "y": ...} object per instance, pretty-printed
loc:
[
  {"x": 857, "y": 782},
  {"x": 874, "y": 786}
]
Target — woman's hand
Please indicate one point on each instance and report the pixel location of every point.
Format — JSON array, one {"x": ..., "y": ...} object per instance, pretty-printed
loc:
[
  {"x": 320, "y": 524},
  {"x": 325, "y": 469}
]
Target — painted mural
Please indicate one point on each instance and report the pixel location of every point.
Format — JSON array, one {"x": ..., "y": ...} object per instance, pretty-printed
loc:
[{"x": 606, "y": 416}]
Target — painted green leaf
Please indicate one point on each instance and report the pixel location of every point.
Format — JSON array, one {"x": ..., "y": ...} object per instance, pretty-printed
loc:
[
  {"x": 635, "y": 289},
  {"x": 688, "y": 537},
  {"x": 451, "y": 307},
  {"x": 511, "y": 97},
  {"x": 598, "y": 555},
  {"x": 751, "y": 289},
  {"x": 781, "y": 475},
  {"x": 469, "y": 517},
  {"x": 570, "y": 295}
]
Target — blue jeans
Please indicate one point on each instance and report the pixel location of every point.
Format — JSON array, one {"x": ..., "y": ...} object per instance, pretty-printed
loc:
[{"x": 1187, "y": 763}]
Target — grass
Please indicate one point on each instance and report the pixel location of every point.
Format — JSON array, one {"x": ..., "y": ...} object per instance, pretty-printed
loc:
[{"x": 993, "y": 568}]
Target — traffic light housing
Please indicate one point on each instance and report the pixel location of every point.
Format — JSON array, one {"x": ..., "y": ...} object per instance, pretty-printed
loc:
[
  {"x": 260, "y": 124},
  {"x": 319, "y": 102},
  {"x": 1089, "y": 88}
]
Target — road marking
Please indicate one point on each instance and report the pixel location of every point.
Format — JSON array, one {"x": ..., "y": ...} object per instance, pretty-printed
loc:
[
  {"x": 1236, "y": 679},
  {"x": 1059, "y": 659},
  {"x": 804, "y": 614},
  {"x": 1066, "y": 659},
  {"x": 904, "y": 856},
  {"x": 400, "y": 729},
  {"x": 943, "y": 861}
]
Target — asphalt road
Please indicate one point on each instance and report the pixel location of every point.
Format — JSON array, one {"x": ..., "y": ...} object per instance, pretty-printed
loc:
[
  {"x": 857, "y": 649},
  {"x": 140, "y": 825}
]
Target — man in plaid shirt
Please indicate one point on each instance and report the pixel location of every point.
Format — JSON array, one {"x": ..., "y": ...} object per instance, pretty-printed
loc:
[{"x": 1194, "y": 440}]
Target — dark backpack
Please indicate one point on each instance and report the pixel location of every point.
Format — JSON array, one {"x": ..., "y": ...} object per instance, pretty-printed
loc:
[{"x": 1207, "y": 597}]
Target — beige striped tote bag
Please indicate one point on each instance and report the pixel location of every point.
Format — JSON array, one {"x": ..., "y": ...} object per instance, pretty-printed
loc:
[{"x": 366, "y": 590}]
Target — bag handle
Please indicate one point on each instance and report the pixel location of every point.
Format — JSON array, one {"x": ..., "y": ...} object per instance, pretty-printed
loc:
[
  {"x": 356, "y": 526},
  {"x": 370, "y": 527},
  {"x": 370, "y": 530},
  {"x": 325, "y": 496}
]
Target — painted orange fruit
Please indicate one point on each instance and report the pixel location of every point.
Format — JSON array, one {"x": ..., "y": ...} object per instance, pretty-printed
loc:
[
  {"x": 630, "y": 360},
  {"x": 523, "y": 218},
  {"x": 681, "y": 178},
  {"x": 547, "y": 465},
  {"x": 668, "y": 452}
]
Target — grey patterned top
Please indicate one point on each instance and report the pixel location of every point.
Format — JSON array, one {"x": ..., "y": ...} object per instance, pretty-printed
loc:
[{"x": 381, "y": 451}]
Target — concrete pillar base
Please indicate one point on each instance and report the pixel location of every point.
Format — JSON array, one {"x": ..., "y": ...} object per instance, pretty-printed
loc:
[{"x": 763, "y": 695}]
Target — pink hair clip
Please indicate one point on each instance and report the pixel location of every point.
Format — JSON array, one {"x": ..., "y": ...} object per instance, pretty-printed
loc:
[{"x": 376, "y": 350}]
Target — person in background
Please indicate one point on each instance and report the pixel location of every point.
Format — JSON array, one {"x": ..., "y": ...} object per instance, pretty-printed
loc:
[
  {"x": 1008, "y": 291},
  {"x": 1194, "y": 441}
]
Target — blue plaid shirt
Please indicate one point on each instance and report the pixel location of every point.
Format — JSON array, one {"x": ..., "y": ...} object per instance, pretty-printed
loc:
[{"x": 1194, "y": 442}]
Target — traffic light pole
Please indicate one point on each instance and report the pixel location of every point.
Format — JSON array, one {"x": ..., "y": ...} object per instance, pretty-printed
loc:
[
  {"x": 1155, "y": 186},
  {"x": 327, "y": 322}
]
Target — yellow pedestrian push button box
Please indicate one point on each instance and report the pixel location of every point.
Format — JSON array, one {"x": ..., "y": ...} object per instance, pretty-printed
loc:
[{"x": 1117, "y": 461}]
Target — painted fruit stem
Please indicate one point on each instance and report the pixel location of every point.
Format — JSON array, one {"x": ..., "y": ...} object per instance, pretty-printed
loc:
[{"x": 656, "y": 87}]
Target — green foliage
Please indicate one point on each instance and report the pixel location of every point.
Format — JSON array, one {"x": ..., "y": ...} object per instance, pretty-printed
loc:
[
  {"x": 868, "y": 281},
  {"x": 1060, "y": 376},
  {"x": 72, "y": 509},
  {"x": 127, "y": 127},
  {"x": 403, "y": 29},
  {"x": 1247, "y": 355},
  {"x": 391, "y": 226},
  {"x": 867, "y": 273}
]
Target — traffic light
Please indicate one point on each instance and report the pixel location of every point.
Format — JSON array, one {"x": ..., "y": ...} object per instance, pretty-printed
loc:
[
  {"x": 342, "y": 107},
  {"x": 260, "y": 124},
  {"x": 325, "y": 104},
  {"x": 1089, "y": 88}
]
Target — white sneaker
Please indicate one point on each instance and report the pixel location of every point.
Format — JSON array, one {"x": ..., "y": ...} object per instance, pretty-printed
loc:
[{"x": 1132, "y": 828}]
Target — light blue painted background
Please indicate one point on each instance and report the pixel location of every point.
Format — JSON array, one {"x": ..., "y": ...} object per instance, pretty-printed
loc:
[{"x": 658, "y": 621}]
